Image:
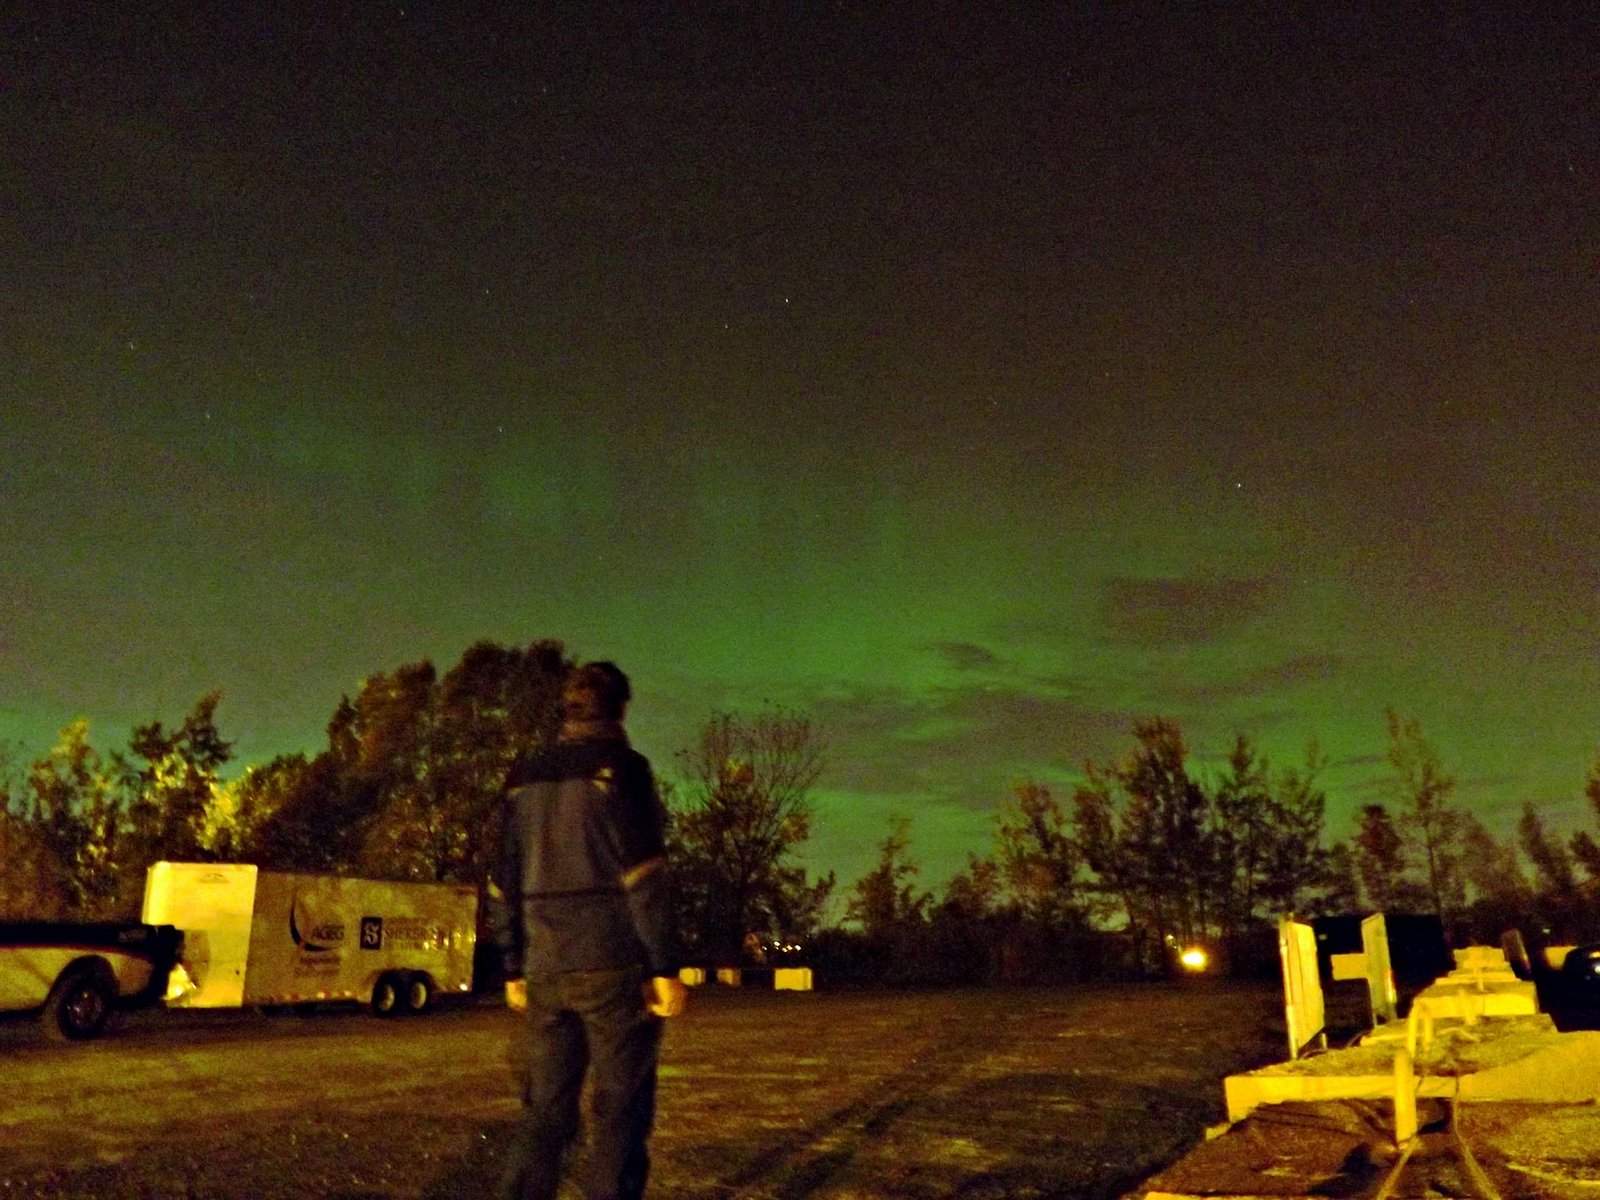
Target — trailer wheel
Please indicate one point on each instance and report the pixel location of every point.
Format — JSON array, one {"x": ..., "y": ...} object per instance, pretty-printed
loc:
[
  {"x": 79, "y": 1005},
  {"x": 386, "y": 996},
  {"x": 419, "y": 994}
]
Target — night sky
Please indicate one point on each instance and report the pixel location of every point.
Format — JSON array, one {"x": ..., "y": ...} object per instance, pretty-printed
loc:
[{"x": 977, "y": 384}]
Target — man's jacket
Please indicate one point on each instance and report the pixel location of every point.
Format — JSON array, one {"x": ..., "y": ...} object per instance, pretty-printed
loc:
[{"x": 577, "y": 820}]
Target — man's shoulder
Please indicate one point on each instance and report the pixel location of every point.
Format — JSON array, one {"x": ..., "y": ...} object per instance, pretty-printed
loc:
[
  {"x": 549, "y": 765},
  {"x": 626, "y": 762},
  {"x": 574, "y": 760}
]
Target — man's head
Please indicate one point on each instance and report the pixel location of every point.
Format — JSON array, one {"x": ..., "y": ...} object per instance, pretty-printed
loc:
[{"x": 596, "y": 691}]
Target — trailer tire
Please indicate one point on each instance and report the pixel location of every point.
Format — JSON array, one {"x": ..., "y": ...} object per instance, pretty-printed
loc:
[
  {"x": 418, "y": 994},
  {"x": 79, "y": 1005},
  {"x": 386, "y": 995}
]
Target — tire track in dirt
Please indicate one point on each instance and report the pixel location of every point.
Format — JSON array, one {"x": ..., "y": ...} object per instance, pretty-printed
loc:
[
  {"x": 1048, "y": 1095},
  {"x": 797, "y": 1167}
]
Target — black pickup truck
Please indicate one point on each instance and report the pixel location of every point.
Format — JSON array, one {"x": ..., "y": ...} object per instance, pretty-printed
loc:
[{"x": 76, "y": 975}]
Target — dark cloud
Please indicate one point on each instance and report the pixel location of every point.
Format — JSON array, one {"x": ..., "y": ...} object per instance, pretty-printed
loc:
[
  {"x": 960, "y": 745},
  {"x": 1271, "y": 680},
  {"x": 1164, "y": 612},
  {"x": 966, "y": 656}
]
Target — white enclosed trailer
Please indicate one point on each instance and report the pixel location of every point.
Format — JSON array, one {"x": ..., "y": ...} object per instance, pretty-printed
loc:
[{"x": 270, "y": 938}]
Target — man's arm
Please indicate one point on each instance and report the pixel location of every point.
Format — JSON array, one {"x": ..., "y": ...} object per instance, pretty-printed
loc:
[
  {"x": 644, "y": 883},
  {"x": 503, "y": 905},
  {"x": 664, "y": 993}
]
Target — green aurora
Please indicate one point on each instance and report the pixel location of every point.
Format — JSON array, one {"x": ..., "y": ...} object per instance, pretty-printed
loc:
[{"x": 974, "y": 405}]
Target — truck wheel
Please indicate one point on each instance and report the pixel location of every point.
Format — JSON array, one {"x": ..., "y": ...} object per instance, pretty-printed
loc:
[
  {"x": 79, "y": 1005},
  {"x": 419, "y": 994},
  {"x": 385, "y": 996}
]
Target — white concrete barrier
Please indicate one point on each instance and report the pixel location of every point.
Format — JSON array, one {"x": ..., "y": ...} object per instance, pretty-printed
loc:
[
  {"x": 791, "y": 979},
  {"x": 1481, "y": 958},
  {"x": 1348, "y": 966},
  {"x": 1302, "y": 986}
]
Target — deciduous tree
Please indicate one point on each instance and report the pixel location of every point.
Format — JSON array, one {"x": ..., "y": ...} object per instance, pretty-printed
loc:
[
  {"x": 173, "y": 781},
  {"x": 738, "y": 820},
  {"x": 408, "y": 785},
  {"x": 33, "y": 883},
  {"x": 79, "y": 812},
  {"x": 437, "y": 819},
  {"x": 885, "y": 901}
]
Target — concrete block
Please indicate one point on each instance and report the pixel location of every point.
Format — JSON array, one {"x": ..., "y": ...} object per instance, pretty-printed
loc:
[
  {"x": 1348, "y": 966},
  {"x": 791, "y": 979},
  {"x": 730, "y": 976},
  {"x": 1245, "y": 1093},
  {"x": 1504, "y": 998},
  {"x": 692, "y": 976},
  {"x": 1481, "y": 958}
]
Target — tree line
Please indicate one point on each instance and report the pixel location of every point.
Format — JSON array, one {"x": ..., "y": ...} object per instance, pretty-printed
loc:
[
  {"x": 406, "y": 788},
  {"x": 1148, "y": 856},
  {"x": 1144, "y": 855}
]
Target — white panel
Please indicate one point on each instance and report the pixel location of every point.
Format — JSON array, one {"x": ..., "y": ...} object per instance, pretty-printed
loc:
[
  {"x": 211, "y": 903},
  {"x": 1380, "y": 970},
  {"x": 1302, "y": 985}
]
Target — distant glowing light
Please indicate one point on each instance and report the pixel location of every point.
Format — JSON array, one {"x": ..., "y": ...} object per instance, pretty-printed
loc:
[{"x": 1193, "y": 958}]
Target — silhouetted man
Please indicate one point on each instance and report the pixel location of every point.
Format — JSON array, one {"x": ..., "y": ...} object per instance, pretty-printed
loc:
[{"x": 578, "y": 906}]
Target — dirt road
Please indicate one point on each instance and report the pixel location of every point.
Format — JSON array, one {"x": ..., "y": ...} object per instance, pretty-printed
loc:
[{"x": 975, "y": 1094}]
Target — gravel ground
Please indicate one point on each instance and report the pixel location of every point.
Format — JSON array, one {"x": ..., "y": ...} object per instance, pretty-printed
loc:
[{"x": 845, "y": 1096}]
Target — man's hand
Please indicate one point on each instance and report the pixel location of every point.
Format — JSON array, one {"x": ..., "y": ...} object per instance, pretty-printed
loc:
[
  {"x": 665, "y": 995},
  {"x": 517, "y": 995}
]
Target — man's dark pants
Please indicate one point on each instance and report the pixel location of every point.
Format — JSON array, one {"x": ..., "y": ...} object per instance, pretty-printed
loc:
[{"x": 592, "y": 1020}]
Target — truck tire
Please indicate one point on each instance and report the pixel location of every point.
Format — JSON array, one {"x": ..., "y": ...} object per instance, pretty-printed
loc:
[
  {"x": 386, "y": 995},
  {"x": 79, "y": 1005},
  {"x": 418, "y": 994}
]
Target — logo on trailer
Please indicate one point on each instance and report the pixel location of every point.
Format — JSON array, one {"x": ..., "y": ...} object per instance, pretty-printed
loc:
[
  {"x": 309, "y": 932},
  {"x": 372, "y": 933}
]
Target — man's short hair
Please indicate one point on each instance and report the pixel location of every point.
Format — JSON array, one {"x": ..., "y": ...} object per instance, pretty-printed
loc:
[{"x": 596, "y": 691}]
